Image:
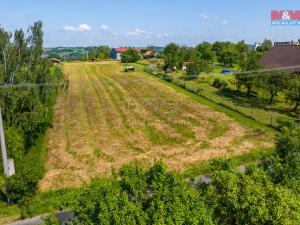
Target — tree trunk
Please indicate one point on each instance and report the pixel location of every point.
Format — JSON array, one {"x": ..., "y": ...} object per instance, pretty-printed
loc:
[
  {"x": 271, "y": 99},
  {"x": 248, "y": 91},
  {"x": 296, "y": 106}
]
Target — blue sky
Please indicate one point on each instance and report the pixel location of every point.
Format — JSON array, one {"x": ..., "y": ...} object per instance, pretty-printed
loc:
[{"x": 142, "y": 22}]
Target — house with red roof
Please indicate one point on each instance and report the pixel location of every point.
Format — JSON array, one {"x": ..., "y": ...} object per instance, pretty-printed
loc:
[{"x": 116, "y": 53}]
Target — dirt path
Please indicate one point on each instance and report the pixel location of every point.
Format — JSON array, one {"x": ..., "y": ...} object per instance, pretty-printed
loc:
[{"x": 108, "y": 118}]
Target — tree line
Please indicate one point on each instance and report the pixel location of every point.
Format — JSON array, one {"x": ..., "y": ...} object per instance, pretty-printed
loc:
[
  {"x": 28, "y": 89},
  {"x": 267, "y": 192},
  {"x": 250, "y": 77},
  {"x": 226, "y": 53}
]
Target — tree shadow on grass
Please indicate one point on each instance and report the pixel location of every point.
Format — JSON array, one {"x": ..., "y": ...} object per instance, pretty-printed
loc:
[{"x": 243, "y": 100}]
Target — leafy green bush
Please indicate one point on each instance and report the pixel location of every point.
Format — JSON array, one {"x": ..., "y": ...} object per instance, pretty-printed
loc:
[
  {"x": 130, "y": 56},
  {"x": 220, "y": 84}
]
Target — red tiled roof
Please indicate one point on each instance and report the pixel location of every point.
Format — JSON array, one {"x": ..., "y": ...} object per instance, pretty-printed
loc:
[
  {"x": 149, "y": 53},
  {"x": 121, "y": 50},
  {"x": 282, "y": 56}
]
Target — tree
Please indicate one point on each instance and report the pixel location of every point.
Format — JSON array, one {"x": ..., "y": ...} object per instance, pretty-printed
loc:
[
  {"x": 218, "y": 47},
  {"x": 228, "y": 56},
  {"x": 250, "y": 61},
  {"x": 249, "y": 198},
  {"x": 265, "y": 46},
  {"x": 273, "y": 82},
  {"x": 188, "y": 54},
  {"x": 36, "y": 42},
  {"x": 130, "y": 56},
  {"x": 197, "y": 67},
  {"x": 26, "y": 110},
  {"x": 171, "y": 56},
  {"x": 293, "y": 91},
  {"x": 104, "y": 52},
  {"x": 247, "y": 80},
  {"x": 140, "y": 196},
  {"x": 206, "y": 52}
]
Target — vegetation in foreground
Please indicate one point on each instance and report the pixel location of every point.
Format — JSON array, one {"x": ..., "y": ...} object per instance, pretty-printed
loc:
[
  {"x": 29, "y": 88},
  {"x": 265, "y": 193}
]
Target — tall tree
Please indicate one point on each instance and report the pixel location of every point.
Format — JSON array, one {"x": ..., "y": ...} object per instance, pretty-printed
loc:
[
  {"x": 265, "y": 46},
  {"x": 250, "y": 61},
  {"x": 293, "y": 91},
  {"x": 171, "y": 56},
  {"x": 273, "y": 82},
  {"x": 228, "y": 55},
  {"x": 206, "y": 52},
  {"x": 36, "y": 42}
]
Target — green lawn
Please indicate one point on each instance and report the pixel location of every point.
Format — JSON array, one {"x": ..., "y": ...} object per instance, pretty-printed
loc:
[{"x": 254, "y": 107}]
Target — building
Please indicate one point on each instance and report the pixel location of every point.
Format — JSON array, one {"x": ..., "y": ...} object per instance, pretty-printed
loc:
[
  {"x": 286, "y": 43},
  {"x": 283, "y": 56},
  {"x": 116, "y": 53},
  {"x": 185, "y": 65},
  {"x": 254, "y": 46},
  {"x": 149, "y": 54}
]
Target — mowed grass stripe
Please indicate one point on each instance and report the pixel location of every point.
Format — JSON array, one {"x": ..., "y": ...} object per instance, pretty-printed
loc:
[
  {"x": 154, "y": 135},
  {"x": 133, "y": 117},
  {"x": 155, "y": 104}
]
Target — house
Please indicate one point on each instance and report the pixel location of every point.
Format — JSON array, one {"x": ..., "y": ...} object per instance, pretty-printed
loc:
[
  {"x": 185, "y": 65},
  {"x": 149, "y": 54},
  {"x": 54, "y": 60},
  {"x": 254, "y": 46},
  {"x": 116, "y": 53},
  {"x": 283, "y": 56}
]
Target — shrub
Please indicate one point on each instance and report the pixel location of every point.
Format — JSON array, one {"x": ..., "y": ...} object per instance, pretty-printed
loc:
[
  {"x": 130, "y": 56},
  {"x": 220, "y": 84}
]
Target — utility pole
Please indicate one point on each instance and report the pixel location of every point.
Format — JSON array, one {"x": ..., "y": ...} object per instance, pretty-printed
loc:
[
  {"x": 8, "y": 164},
  {"x": 3, "y": 147}
]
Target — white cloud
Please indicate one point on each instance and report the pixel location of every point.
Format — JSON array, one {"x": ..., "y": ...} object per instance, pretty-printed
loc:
[
  {"x": 70, "y": 28},
  {"x": 204, "y": 16},
  {"x": 79, "y": 28},
  {"x": 224, "y": 22},
  {"x": 132, "y": 33},
  {"x": 115, "y": 34},
  {"x": 84, "y": 27},
  {"x": 164, "y": 35},
  {"x": 138, "y": 32},
  {"x": 105, "y": 27}
]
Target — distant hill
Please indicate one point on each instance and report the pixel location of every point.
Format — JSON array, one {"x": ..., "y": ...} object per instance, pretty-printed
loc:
[{"x": 69, "y": 53}]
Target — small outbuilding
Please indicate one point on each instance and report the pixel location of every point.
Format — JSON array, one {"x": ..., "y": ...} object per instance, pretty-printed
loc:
[
  {"x": 54, "y": 60},
  {"x": 129, "y": 69}
]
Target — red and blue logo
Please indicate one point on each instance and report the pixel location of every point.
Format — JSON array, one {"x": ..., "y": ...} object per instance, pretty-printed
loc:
[{"x": 285, "y": 17}]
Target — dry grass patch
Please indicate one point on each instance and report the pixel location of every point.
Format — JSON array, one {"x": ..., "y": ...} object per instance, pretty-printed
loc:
[{"x": 109, "y": 118}]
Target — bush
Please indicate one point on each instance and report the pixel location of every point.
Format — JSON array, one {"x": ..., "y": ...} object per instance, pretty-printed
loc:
[
  {"x": 220, "y": 84},
  {"x": 130, "y": 56}
]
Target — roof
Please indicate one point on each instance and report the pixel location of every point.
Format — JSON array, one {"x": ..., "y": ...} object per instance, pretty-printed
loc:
[
  {"x": 149, "y": 53},
  {"x": 283, "y": 56},
  {"x": 121, "y": 50}
]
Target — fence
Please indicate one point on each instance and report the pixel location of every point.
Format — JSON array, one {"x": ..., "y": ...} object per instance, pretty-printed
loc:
[{"x": 260, "y": 115}]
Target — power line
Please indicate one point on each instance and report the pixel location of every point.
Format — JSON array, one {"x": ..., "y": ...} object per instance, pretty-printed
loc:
[
  {"x": 6, "y": 86},
  {"x": 270, "y": 70}
]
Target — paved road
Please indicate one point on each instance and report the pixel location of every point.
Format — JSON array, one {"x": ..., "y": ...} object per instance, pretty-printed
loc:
[{"x": 64, "y": 217}]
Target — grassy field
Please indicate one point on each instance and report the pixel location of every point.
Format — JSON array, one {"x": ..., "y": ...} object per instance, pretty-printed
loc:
[{"x": 109, "y": 118}]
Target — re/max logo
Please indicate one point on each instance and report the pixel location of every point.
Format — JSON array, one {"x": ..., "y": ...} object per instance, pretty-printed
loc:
[{"x": 285, "y": 17}]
